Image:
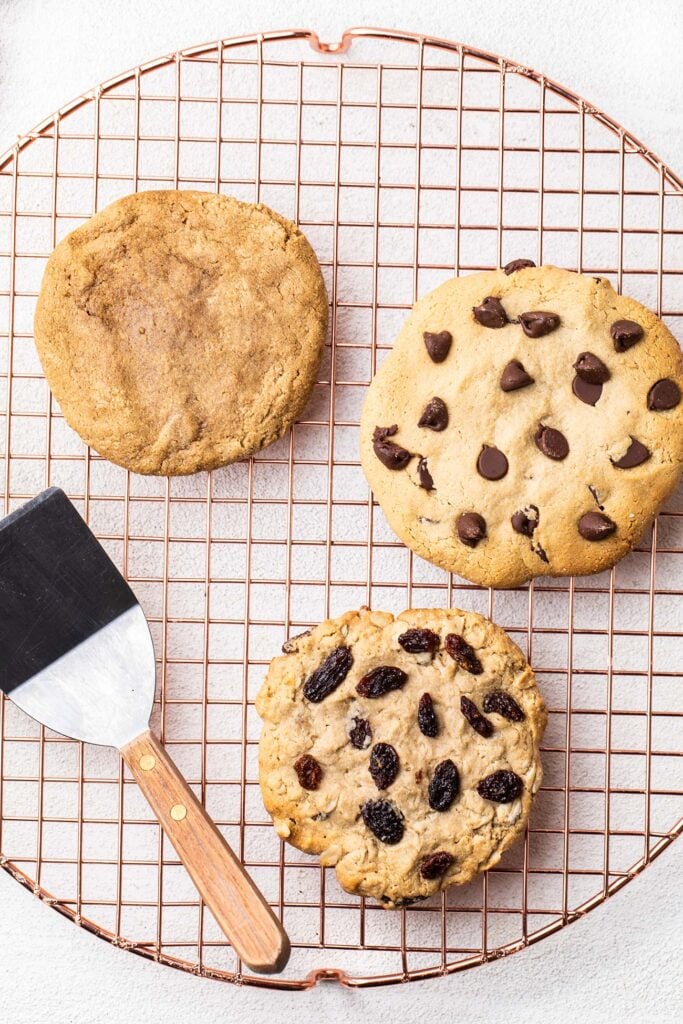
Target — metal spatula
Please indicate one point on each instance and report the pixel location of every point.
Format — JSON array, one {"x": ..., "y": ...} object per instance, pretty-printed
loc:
[{"x": 76, "y": 654}]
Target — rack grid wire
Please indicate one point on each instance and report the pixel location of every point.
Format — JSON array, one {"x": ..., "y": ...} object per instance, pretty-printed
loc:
[{"x": 405, "y": 159}]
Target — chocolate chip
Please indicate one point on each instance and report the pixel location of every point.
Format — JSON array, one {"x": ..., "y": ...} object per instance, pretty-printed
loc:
[
  {"x": 424, "y": 475},
  {"x": 636, "y": 455},
  {"x": 491, "y": 464},
  {"x": 490, "y": 313},
  {"x": 591, "y": 369},
  {"x": 596, "y": 526},
  {"x": 536, "y": 324},
  {"x": 625, "y": 334},
  {"x": 471, "y": 528},
  {"x": 588, "y": 393},
  {"x": 438, "y": 345},
  {"x": 514, "y": 377},
  {"x": 389, "y": 454},
  {"x": 514, "y": 265},
  {"x": 551, "y": 442},
  {"x": 538, "y": 550},
  {"x": 665, "y": 394},
  {"x": 525, "y": 520},
  {"x": 596, "y": 496},
  {"x": 435, "y": 415}
]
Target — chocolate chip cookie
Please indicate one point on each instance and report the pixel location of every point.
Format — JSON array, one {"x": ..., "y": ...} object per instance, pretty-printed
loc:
[
  {"x": 404, "y": 751},
  {"x": 527, "y": 422},
  {"x": 181, "y": 331}
]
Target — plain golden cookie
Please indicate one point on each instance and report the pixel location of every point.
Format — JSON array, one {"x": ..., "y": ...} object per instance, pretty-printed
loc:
[
  {"x": 527, "y": 422},
  {"x": 405, "y": 752},
  {"x": 180, "y": 331}
]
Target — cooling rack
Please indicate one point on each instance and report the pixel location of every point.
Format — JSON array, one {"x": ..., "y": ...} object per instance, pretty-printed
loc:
[{"x": 405, "y": 159}]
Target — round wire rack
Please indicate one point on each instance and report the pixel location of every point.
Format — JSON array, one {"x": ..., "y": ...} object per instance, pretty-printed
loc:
[{"x": 405, "y": 159}]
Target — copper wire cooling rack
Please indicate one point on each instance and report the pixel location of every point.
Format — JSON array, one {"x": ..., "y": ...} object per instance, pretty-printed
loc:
[{"x": 405, "y": 160}]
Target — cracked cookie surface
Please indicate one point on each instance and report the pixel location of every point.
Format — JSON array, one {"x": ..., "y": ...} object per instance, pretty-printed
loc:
[
  {"x": 527, "y": 422},
  {"x": 402, "y": 794},
  {"x": 180, "y": 330}
]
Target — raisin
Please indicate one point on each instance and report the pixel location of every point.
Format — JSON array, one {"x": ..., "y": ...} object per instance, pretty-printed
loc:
[
  {"x": 380, "y": 680},
  {"x": 461, "y": 652},
  {"x": 403, "y": 901},
  {"x": 289, "y": 646},
  {"x": 501, "y": 703},
  {"x": 426, "y": 716},
  {"x": 328, "y": 676},
  {"x": 418, "y": 641},
  {"x": 361, "y": 734},
  {"x": 309, "y": 772},
  {"x": 503, "y": 787},
  {"x": 435, "y": 866},
  {"x": 384, "y": 765},
  {"x": 475, "y": 717},
  {"x": 383, "y": 820},
  {"x": 444, "y": 787}
]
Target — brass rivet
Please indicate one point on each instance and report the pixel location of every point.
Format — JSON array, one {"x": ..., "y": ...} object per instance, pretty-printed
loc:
[
  {"x": 147, "y": 762},
  {"x": 178, "y": 812}
]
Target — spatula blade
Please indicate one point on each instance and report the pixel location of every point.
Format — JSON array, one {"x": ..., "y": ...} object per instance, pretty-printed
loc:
[{"x": 75, "y": 649}]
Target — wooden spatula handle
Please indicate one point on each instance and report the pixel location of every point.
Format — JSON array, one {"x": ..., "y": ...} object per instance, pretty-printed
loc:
[{"x": 241, "y": 911}]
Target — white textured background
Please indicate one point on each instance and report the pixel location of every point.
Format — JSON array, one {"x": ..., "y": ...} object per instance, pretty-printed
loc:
[{"x": 622, "y": 962}]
